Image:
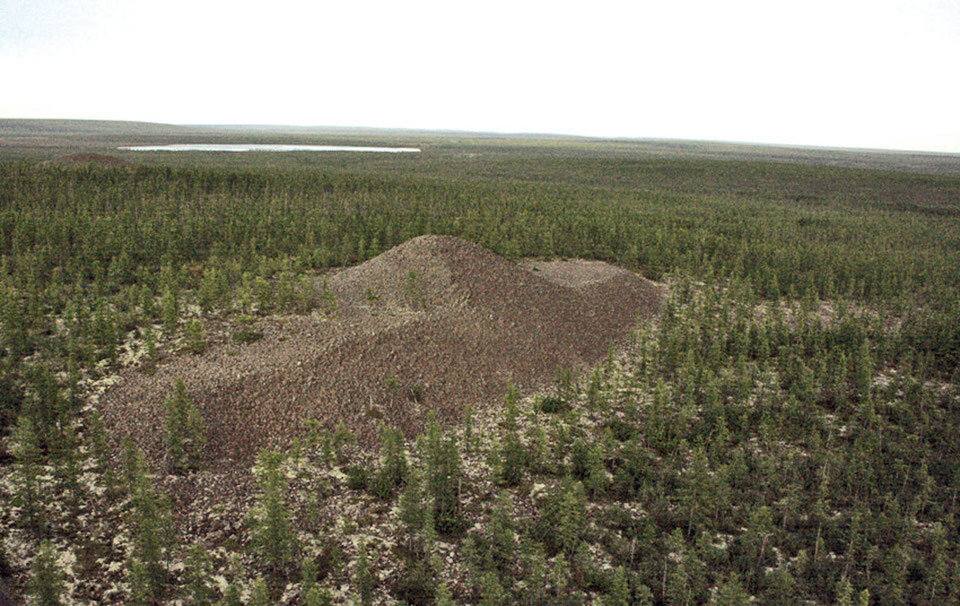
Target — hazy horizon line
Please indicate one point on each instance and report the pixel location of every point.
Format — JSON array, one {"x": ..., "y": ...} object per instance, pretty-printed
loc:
[{"x": 504, "y": 133}]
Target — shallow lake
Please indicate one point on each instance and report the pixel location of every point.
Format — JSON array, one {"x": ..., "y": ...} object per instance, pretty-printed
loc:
[{"x": 265, "y": 147}]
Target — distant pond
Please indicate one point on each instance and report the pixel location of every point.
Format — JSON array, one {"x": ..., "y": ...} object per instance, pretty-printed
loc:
[{"x": 266, "y": 147}]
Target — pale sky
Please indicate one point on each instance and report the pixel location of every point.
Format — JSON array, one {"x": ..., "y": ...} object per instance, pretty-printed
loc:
[{"x": 848, "y": 73}]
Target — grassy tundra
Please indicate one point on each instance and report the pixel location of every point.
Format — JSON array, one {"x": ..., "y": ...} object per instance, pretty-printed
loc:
[{"x": 786, "y": 429}]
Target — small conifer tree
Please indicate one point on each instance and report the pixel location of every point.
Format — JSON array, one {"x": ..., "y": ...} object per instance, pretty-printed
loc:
[
  {"x": 149, "y": 342},
  {"x": 411, "y": 502},
  {"x": 169, "y": 311},
  {"x": 443, "y": 595},
  {"x": 46, "y": 407},
  {"x": 844, "y": 592},
  {"x": 260, "y": 593},
  {"x": 133, "y": 464},
  {"x": 393, "y": 463},
  {"x": 152, "y": 538},
  {"x": 269, "y": 519},
  {"x": 195, "y": 342},
  {"x": 185, "y": 435},
  {"x": 67, "y": 459},
  {"x": 211, "y": 291},
  {"x": 469, "y": 437},
  {"x": 198, "y": 572},
  {"x": 28, "y": 488},
  {"x": 619, "y": 594},
  {"x": 862, "y": 371},
  {"x": 148, "y": 305},
  {"x": 4, "y": 558},
  {"x": 491, "y": 590},
  {"x": 318, "y": 596},
  {"x": 563, "y": 514},
  {"x": 594, "y": 387},
  {"x": 510, "y": 459},
  {"x": 100, "y": 449},
  {"x": 231, "y": 597},
  {"x": 308, "y": 576},
  {"x": 443, "y": 476},
  {"x": 731, "y": 593},
  {"x": 363, "y": 576},
  {"x": 46, "y": 580}
]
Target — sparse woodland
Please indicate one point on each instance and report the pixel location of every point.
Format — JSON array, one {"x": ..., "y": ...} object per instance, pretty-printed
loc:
[{"x": 786, "y": 431}]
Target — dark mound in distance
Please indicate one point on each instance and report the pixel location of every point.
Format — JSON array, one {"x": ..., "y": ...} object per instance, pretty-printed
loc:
[{"x": 433, "y": 324}]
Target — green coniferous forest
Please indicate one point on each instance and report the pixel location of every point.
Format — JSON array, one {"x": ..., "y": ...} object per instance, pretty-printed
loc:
[{"x": 786, "y": 430}]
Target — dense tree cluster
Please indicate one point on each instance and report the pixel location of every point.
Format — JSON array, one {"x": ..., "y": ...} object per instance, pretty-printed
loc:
[{"x": 786, "y": 429}]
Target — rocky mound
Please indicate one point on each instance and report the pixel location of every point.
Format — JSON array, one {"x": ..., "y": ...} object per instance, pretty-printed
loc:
[{"x": 433, "y": 324}]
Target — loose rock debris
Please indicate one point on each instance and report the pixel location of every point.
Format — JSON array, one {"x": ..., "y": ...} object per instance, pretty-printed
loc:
[{"x": 433, "y": 324}]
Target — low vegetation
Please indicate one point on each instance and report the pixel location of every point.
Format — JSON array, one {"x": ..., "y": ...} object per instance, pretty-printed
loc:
[{"x": 784, "y": 431}]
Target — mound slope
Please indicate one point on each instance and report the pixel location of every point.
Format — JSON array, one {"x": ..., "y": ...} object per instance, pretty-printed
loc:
[{"x": 432, "y": 324}]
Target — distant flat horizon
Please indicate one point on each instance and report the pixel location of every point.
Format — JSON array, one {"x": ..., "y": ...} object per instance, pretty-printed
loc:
[
  {"x": 265, "y": 147},
  {"x": 319, "y": 129},
  {"x": 549, "y": 135}
]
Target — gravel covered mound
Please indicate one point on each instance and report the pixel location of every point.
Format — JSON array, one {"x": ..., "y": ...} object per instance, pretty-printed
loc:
[{"x": 432, "y": 324}]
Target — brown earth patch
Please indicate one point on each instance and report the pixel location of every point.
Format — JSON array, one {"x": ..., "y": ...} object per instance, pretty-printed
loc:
[{"x": 432, "y": 324}]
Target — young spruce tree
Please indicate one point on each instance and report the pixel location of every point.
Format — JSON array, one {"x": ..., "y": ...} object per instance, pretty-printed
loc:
[
  {"x": 270, "y": 523},
  {"x": 46, "y": 580},
  {"x": 510, "y": 458},
  {"x": 28, "y": 491},
  {"x": 443, "y": 476},
  {"x": 152, "y": 537},
  {"x": 185, "y": 435}
]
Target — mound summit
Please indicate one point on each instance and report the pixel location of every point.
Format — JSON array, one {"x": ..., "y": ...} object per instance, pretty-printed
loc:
[{"x": 432, "y": 324}]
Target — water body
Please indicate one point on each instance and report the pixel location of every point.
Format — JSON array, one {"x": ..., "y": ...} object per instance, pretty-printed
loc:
[{"x": 266, "y": 147}]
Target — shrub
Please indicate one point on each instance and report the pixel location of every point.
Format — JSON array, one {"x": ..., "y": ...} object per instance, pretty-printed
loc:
[
  {"x": 247, "y": 335},
  {"x": 551, "y": 405},
  {"x": 357, "y": 477}
]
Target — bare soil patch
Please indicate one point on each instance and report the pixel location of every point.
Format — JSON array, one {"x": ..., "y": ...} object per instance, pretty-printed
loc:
[{"x": 433, "y": 324}]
